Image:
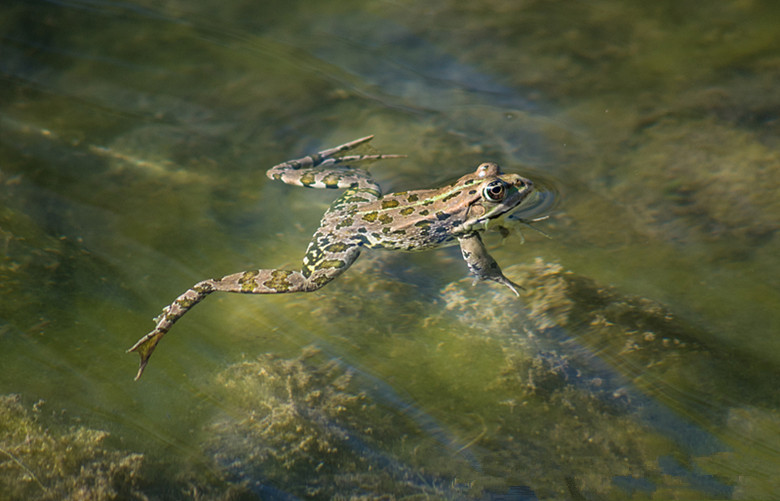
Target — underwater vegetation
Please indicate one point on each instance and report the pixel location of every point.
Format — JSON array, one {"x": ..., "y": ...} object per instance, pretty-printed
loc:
[
  {"x": 301, "y": 426},
  {"x": 551, "y": 420},
  {"x": 40, "y": 460}
]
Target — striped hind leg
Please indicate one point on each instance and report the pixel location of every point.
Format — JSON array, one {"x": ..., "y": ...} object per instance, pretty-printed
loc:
[
  {"x": 329, "y": 168},
  {"x": 246, "y": 282}
]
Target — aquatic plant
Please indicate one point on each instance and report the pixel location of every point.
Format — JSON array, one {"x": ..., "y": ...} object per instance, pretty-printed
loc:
[
  {"x": 301, "y": 427},
  {"x": 45, "y": 461}
]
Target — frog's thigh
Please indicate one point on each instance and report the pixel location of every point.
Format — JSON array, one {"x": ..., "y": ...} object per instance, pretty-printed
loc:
[{"x": 329, "y": 264}]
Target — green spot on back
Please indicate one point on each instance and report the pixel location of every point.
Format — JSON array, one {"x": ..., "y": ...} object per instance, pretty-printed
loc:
[
  {"x": 347, "y": 221},
  {"x": 331, "y": 180},
  {"x": 332, "y": 263},
  {"x": 451, "y": 195},
  {"x": 389, "y": 204},
  {"x": 337, "y": 247},
  {"x": 307, "y": 179}
]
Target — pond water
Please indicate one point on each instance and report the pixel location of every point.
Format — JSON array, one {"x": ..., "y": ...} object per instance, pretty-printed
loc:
[{"x": 641, "y": 360}]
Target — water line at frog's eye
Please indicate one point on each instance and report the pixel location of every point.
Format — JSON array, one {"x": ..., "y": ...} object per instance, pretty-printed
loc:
[{"x": 540, "y": 202}]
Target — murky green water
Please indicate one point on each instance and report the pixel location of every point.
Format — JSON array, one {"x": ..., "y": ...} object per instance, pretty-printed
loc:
[{"x": 641, "y": 362}]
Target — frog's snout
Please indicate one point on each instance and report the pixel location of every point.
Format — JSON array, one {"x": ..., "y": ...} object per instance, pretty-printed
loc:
[{"x": 523, "y": 183}]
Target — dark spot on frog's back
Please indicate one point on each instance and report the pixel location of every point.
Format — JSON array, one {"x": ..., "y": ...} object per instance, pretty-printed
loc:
[
  {"x": 389, "y": 204},
  {"x": 337, "y": 247},
  {"x": 347, "y": 221},
  {"x": 332, "y": 263},
  {"x": 412, "y": 198},
  {"x": 441, "y": 216},
  {"x": 307, "y": 179},
  {"x": 331, "y": 180},
  {"x": 370, "y": 217},
  {"x": 406, "y": 211},
  {"x": 385, "y": 219},
  {"x": 451, "y": 196}
]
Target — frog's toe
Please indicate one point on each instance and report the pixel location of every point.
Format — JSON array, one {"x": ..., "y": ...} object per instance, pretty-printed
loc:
[
  {"x": 512, "y": 286},
  {"x": 145, "y": 347}
]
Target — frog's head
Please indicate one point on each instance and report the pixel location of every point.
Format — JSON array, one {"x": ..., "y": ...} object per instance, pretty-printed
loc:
[{"x": 494, "y": 194}]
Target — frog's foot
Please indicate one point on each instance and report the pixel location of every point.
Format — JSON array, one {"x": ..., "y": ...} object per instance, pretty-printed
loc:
[
  {"x": 528, "y": 223},
  {"x": 512, "y": 225},
  {"x": 501, "y": 279},
  {"x": 331, "y": 155},
  {"x": 328, "y": 168},
  {"x": 170, "y": 314},
  {"x": 351, "y": 145},
  {"x": 481, "y": 264},
  {"x": 144, "y": 347}
]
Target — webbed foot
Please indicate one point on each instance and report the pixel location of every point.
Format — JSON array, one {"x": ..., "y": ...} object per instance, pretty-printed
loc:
[
  {"x": 145, "y": 347},
  {"x": 482, "y": 264}
]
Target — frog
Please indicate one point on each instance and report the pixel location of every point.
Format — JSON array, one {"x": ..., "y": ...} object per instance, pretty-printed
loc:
[{"x": 365, "y": 218}]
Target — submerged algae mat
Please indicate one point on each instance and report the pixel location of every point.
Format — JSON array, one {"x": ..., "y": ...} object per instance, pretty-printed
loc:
[
  {"x": 41, "y": 460},
  {"x": 623, "y": 410}
]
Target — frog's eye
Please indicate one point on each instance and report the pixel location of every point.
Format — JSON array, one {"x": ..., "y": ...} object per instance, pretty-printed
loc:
[{"x": 495, "y": 191}]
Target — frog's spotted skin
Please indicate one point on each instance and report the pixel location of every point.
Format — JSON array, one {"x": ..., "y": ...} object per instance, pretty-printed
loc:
[{"x": 363, "y": 217}]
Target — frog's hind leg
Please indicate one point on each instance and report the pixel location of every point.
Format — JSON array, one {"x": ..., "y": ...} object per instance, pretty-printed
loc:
[
  {"x": 328, "y": 169},
  {"x": 315, "y": 274}
]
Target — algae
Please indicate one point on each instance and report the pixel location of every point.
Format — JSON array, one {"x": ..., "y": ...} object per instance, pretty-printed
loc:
[
  {"x": 701, "y": 180},
  {"x": 752, "y": 464},
  {"x": 525, "y": 403},
  {"x": 302, "y": 426},
  {"x": 41, "y": 461},
  {"x": 626, "y": 383}
]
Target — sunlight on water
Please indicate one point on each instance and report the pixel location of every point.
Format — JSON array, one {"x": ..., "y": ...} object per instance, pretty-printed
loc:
[{"x": 640, "y": 361}]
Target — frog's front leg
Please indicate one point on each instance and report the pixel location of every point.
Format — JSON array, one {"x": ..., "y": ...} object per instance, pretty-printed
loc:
[
  {"x": 319, "y": 268},
  {"x": 481, "y": 264}
]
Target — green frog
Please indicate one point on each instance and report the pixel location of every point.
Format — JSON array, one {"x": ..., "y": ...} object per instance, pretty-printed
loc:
[{"x": 364, "y": 218}]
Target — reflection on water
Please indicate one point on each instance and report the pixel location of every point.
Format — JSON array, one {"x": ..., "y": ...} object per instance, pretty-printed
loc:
[{"x": 641, "y": 360}]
